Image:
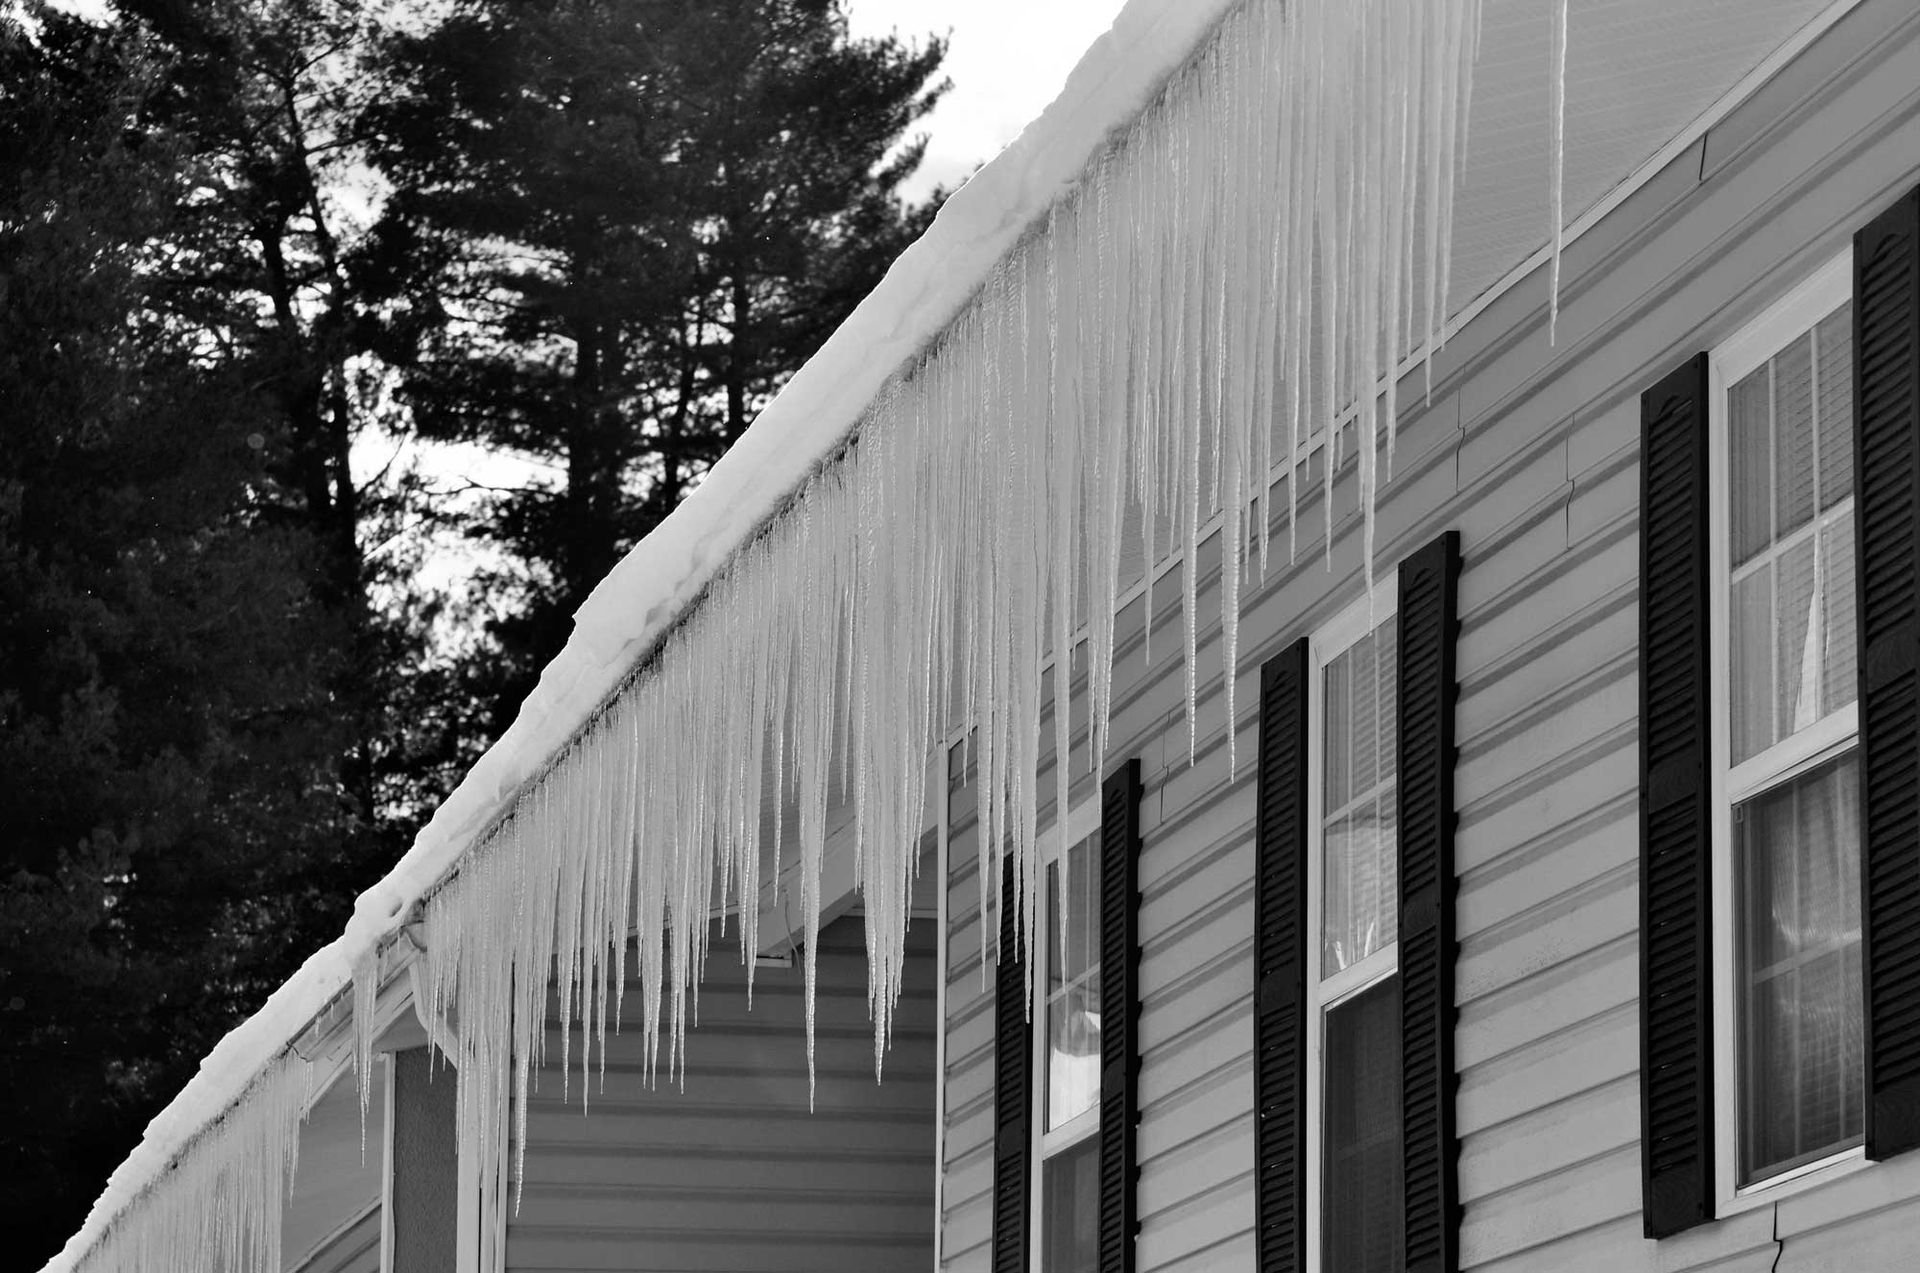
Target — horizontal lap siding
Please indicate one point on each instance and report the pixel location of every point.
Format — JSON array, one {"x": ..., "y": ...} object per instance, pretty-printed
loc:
[
  {"x": 966, "y": 1238},
  {"x": 730, "y": 1170},
  {"x": 1532, "y": 453}
]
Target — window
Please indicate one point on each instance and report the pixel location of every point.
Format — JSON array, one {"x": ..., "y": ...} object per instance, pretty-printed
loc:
[
  {"x": 1786, "y": 847},
  {"x": 1067, "y": 1035},
  {"x": 1353, "y": 990}
]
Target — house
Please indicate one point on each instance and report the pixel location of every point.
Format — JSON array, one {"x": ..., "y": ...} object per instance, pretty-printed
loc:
[{"x": 1301, "y": 794}]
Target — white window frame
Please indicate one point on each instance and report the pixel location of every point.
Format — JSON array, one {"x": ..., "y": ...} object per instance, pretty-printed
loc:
[
  {"x": 1333, "y": 639},
  {"x": 1820, "y": 294},
  {"x": 1083, "y": 820}
]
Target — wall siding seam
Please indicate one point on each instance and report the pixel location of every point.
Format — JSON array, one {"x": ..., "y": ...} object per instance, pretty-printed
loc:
[
  {"x": 1546, "y": 774},
  {"x": 1525, "y": 923},
  {"x": 1487, "y": 611},
  {"x": 1546, "y": 642},
  {"x": 1620, "y": 665},
  {"x": 1554, "y": 840}
]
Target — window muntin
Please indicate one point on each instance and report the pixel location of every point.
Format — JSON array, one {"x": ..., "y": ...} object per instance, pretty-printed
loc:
[
  {"x": 1789, "y": 1074},
  {"x": 1790, "y": 532},
  {"x": 1067, "y": 1081},
  {"x": 1354, "y": 1196}
]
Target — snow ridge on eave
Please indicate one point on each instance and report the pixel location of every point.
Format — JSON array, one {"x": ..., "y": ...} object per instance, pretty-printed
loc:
[{"x": 651, "y": 590}]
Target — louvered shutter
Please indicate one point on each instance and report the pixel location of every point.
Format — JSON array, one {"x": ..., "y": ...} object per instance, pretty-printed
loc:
[
  {"x": 1428, "y": 624},
  {"x": 1119, "y": 1015},
  {"x": 1886, "y": 316},
  {"x": 1280, "y": 954},
  {"x": 1676, "y": 929},
  {"x": 1012, "y": 1090}
]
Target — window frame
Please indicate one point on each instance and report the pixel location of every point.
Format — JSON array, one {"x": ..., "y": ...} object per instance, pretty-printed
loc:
[
  {"x": 1828, "y": 287},
  {"x": 1332, "y": 639},
  {"x": 1083, "y": 821}
]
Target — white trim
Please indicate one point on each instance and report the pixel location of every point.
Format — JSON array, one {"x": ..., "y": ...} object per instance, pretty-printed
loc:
[
  {"x": 333, "y": 1235},
  {"x": 1826, "y": 289},
  {"x": 1083, "y": 820},
  {"x": 1799, "y": 1180},
  {"x": 1818, "y": 295},
  {"x": 1793, "y": 755},
  {"x": 943, "y": 825},
  {"x": 1327, "y": 643},
  {"x": 386, "y": 1165}
]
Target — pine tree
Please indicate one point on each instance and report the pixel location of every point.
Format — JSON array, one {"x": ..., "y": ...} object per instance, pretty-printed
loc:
[
  {"x": 172, "y": 820},
  {"x": 616, "y": 227}
]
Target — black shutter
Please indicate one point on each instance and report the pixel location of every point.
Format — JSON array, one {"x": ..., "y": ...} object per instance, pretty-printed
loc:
[
  {"x": 1428, "y": 623},
  {"x": 1676, "y": 928},
  {"x": 1886, "y": 331},
  {"x": 1119, "y": 1015},
  {"x": 1012, "y": 1087},
  {"x": 1280, "y": 955}
]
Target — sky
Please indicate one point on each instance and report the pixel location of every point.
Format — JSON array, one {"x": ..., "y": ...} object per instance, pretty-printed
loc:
[{"x": 1007, "y": 59}]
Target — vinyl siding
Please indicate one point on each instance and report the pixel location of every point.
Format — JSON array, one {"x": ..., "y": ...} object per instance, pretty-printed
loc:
[
  {"x": 1532, "y": 453},
  {"x": 354, "y": 1249},
  {"x": 730, "y": 1171},
  {"x": 337, "y": 1186}
]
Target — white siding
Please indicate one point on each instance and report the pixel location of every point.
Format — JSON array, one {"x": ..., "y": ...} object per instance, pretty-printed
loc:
[
  {"x": 1532, "y": 453},
  {"x": 734, "y": 1172}
]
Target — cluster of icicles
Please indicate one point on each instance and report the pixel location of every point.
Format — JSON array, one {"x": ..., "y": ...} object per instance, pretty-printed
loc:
[{"x": 1261, "y": 246}]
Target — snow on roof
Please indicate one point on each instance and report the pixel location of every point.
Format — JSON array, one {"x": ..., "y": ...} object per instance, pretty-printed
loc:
[{"x": 657, "y": 583}]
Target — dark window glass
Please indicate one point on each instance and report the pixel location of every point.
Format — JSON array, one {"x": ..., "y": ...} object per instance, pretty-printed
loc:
[
  {"x": 1072, "y": 1184},
  {"x": 1360, "y": 1200},
  {"x": 1802, "y": 1071}
]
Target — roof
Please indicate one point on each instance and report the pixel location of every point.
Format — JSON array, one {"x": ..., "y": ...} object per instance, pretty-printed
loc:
[{"x": 1640, "y": 74}]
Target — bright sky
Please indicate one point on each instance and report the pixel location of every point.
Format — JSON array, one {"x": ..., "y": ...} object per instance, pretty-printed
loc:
[{"x": 1007, "y": 60}]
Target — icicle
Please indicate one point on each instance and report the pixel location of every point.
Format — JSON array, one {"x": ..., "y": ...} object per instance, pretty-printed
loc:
[
  {"x": 1236, "y": 274},
  {"x": 220, "y": 1206},
  {"x": 366, "y": 990}
]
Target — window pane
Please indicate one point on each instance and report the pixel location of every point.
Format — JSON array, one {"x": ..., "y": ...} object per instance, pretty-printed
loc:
[
  {"x": 1360, "y": 1182},
  {"x": 1359, "y": 867},
  {"x": 1794, "y": 473},
  {"x": 1073, "y": 989},
  {"x": 1840, "y": 685},
  {"x": 1751, "y": 674},
  {"x": 1790, "y": 440},
  {"x": 1750, "y": 451},
  {"x": 1833, "y": 385},
  {"x": 1071, "y": 1180},
  {"x": 1798, "y": 857}
]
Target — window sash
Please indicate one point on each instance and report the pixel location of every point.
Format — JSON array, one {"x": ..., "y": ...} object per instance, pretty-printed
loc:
[
  {"x": 1082, "y": 828},
  {"x": 1371, "y": 1240},
  {"x": 1327, "y": 990},
  {"x": 1837, "y": 951},
  {"x": 1784, "y": 760}
]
